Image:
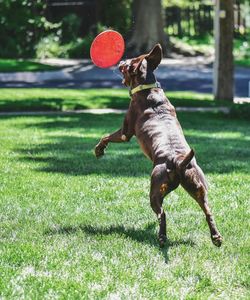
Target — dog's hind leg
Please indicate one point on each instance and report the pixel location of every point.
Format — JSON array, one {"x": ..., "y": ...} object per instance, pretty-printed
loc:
[
  {"x": 160, "y": 187},
  {"x": 193, "y": 182}
]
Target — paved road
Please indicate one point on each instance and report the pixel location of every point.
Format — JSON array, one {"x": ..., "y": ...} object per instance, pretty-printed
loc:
[{"x": 173, "y": 75}]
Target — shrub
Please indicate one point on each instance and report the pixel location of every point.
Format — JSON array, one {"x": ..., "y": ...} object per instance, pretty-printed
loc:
[
  {"x": 50, "y": 46},
  {"x": 241, "y": 111},
  {"x": 25, "y": 32},
  {"x": 70, "y": 27},
  {"x": 80, "y": 48},
  {"x": 22, "y": 25},
  {"x": 116, "y": 14}
]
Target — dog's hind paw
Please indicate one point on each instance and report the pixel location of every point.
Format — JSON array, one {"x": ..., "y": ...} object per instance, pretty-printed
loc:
[
  {"x": 162, "y": 240},
  {"x": 217, "y": 240}
]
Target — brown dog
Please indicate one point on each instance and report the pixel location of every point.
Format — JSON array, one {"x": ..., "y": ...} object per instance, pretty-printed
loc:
[{"x": 152, "y": 119}]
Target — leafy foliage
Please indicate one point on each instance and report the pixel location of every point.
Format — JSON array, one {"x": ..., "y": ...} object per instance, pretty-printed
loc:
[
  {"x": 22, "y": 23},
  {"x": 25, "y": 32},
  {"x": 116, "y": 14},
  {"x": 70, "y": 27},
  {"x": 186, "y": 3},
  {"x": 49, "y": 46}
]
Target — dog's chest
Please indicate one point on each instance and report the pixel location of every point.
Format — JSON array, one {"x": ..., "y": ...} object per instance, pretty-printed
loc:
[{"x": 160, "y": 135}]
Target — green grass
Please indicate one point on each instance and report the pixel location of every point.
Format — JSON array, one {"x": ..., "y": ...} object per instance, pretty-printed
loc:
[
  {"x": 205, "y": 45},
  {"x": 17, "y": 65},
  {"x": 242, "y": 52},
  {"x": 244, "y": 62},
  {"x": 73, "y": 227},
  {"x": 64, "y": 99}
]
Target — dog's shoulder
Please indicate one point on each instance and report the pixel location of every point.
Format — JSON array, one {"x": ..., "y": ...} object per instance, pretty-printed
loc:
[{"x": 160, "y": 103}]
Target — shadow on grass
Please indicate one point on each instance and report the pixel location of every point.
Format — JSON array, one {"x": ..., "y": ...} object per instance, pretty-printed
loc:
[
  {"x": 58, "y": 102},
  {"x": 75, "y": 156},
  {"x": 221, "y": 145},
  {"x": 145, "y": 236},
  {"x": 36, "y": 104}
]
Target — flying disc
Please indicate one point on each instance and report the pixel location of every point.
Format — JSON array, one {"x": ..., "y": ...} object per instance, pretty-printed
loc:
[{"x": 107, "y": 49}]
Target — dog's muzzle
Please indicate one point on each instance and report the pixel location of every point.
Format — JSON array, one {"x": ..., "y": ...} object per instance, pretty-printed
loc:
[{"x": 121, "y": 65}]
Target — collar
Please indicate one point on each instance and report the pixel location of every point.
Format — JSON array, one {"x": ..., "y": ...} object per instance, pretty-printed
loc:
[{"x": 144, "y": 87}]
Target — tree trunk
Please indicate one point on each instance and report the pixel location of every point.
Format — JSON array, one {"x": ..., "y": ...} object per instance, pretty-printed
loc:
[
  {"x": 223, "y": 65},
  {"x": 148, "y": 27}
]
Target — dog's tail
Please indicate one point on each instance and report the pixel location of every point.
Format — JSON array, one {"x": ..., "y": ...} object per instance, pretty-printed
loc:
[{"x": 182, "y": 164}]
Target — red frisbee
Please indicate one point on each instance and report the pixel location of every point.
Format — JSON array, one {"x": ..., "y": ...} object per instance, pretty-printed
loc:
[{"x": 107, "y": 49}]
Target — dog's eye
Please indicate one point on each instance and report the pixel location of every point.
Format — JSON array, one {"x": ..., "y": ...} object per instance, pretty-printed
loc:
[
  {"x": 133, "y": 69},
  {"x": 130, "y": 69}
]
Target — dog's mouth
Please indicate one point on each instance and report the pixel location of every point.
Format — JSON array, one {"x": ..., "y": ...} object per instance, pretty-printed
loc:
[{"x": 124, "y": 67}]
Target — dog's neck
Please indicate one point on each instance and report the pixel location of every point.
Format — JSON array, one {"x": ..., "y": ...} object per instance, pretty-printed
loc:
[{"x": 150, "y": 82}]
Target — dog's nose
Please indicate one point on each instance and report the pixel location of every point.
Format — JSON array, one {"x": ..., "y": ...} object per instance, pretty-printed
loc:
[{"x": 121, "y": 65}]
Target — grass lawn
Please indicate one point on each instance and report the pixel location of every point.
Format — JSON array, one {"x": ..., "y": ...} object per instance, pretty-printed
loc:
[
  {"x": 36, "y": 99},
  {"x": 17, "y": 65},
  {"x": 73, "y": 227}
]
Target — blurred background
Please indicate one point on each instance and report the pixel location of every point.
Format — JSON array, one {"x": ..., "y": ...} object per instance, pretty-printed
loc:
[
  {"x": 205, "y": 43},
  {"x": 66, "y": 28}
]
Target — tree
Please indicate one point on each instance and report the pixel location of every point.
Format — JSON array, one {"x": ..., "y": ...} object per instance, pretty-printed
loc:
[
  {"x": 223, "y": 66},
  {"x": 148, "y": 26}
]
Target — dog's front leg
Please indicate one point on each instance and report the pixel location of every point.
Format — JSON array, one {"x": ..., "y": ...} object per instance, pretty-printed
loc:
[
  {"x": 116, "y": 137},
  {"x": 122, "y": 135}
]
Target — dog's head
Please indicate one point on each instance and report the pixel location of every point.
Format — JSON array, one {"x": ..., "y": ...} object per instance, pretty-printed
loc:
[{"x": 139, "y": 70}]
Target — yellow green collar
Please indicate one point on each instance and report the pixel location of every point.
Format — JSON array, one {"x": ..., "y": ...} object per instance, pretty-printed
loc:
[{"x": 144, "y": 87}]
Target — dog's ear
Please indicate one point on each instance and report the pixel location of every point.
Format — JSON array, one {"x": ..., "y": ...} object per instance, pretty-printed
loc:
[
  {"x": 154, "y": 57},
  {"x": 140, "y": 68}
]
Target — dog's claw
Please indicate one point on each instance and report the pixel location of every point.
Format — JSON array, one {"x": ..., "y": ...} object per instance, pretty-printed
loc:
[
  {"x": 99, "y": 151},
  {"x": 99, "y": 154},
  {"x": 217, "y": 240}
]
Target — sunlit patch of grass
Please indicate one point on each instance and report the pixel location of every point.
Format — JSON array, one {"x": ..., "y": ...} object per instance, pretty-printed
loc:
[
  {"x": 19, "y": 65},
  {"x": 37, "y": 99},
  {"x": 79, "y": 228}
]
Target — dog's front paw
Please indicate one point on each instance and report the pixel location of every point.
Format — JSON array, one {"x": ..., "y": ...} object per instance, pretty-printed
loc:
[
  {"x": 217, "y": 240},
  {"x": 99, "y": 150}
]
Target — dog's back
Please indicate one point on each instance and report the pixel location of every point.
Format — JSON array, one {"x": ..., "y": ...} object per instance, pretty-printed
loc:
[{"x": 157, "y": 128}]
